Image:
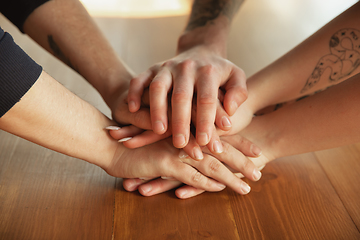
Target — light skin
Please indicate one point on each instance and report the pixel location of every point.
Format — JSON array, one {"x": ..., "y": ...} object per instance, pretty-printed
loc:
[
  {"x": 197, "y": 71},
  {"x": 48, "y": 109},
  {"x": 53, "y": 117},
  {"x": 324, "y": 120},
  {"x": 65, "y": 29}
]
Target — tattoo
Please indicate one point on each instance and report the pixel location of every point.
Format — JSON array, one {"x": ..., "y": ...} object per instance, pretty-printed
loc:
[
  {"x": 58, "y": 53},
  {"x": 342, "y": 61},
  {"x": 205, "y": 11}
]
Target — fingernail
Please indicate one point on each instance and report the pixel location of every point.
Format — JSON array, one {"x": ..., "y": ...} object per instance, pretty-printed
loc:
[
  {"x": 159, "y": 126},
  {"x": 255, "y": 150},
  {"x": 180, "y": 140},
  {"x": 218, "y": 148},
  {"x": 183, "y": 154},
  {"x": 183, "y": 194},
  {"x": 203, "y": 138},
  {"x": 234, "y": 106},
  {"x": 132, "y": 105},
  {"x": 221, "y": 186},
  {"x": 225, "y": 121},
  {"x": 256, "y": 174},
  {"x": 130, "y": 184},
  {"x": 113, "y": 128},
  {"x": 245, "y": 188},
  {"x": 146, "y": 188},
  {"x": 198, "y": 155},
  {"x": 168, "y": 178},
  {"x": 125, "y": 139}
]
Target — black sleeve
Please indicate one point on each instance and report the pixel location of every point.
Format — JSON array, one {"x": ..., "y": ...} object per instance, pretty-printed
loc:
[
  {"x": 17, "y": 11},
  {"x": 18, "y": 72}
]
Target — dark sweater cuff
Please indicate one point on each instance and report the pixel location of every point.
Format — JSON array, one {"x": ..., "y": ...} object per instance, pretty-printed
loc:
[{"x": 18, "y": 72}]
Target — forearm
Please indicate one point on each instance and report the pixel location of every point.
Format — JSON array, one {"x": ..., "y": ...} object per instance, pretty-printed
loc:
[
  {"x": 325, "y": 120},
  {"x": 51, "y": 116},
  {"x": 324, "y": 59},
  {"x": 209, "y": 24},
  {"x": 64, "y": 28}
]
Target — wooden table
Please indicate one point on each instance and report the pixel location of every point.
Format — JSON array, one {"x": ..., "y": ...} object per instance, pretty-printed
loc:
[{"x": 46, "y": 195}]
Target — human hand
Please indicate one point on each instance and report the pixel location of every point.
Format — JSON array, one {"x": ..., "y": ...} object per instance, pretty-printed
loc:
[
  {"x": 162, "y": 159},
  {"x": 196, "y": 70},
  {"x": 159, "y": 185}
]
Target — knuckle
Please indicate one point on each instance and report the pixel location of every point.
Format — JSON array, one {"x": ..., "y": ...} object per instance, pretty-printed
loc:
[
  {"x": 157, "y": 85},
  {"x": 180, "y": 95},
  {"x": 168, "y": 63},
  {"x": 180, "y": 123},
  {"x": 186, "y": 65},
  {"x": 207, "y": 99},
  {"x": 214, "y": 166},
  {"x": 207, "y": 70},
  {"x": 135, "y": 82},
  {"x": 197, "y": 177}
]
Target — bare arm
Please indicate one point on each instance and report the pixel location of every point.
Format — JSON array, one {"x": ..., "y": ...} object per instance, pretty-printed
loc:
[
  {"x": 325, "y": 120},
  {"x": 65, "y": 29},
  {"x": 53, "y": 117},
  {"x": 328, "y": 57}
]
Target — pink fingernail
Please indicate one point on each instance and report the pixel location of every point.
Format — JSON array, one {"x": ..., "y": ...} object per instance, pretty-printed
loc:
[
  {"x": 256, "y": 174},
  {"x": 255, "y": 150},
  {"x": 146, "y": 188},
  {"x": 159, "y": 126},
  {"x": 245, "y": 188},
  {"x": 132, "y": 106},
  {"x": 225, "y": 121},
  {"x": 198, "y": 155},
  {"x": 218, "y": 148},
  {"x": 203, "y": 138},
  {"x": 180, "y": 139}
]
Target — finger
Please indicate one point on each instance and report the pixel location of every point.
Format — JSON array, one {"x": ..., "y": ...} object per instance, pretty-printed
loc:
[
  {"x": 235, "y": 91},
  {"x": 157, "y": 186},
  {"x": 181, "y": 102},
  {"x": 192, "y": 149},
  {"x": 132, "y": 184},
  {"x": 186, "y": 191},
  {"x": 214, "y": 169},
  {"x": 238, "y": 162},
  {"x": 141, "y": 118},
  {"x": 187, "y": 174},
  {"x": 145, "y": 138},
  {"x": 136, "y": 88},
  {"x": 119, "y": 133},
  {"x": 222, "y": 120},
  {"x": 215, "y": 145},
  {"x": 244, "y": 145},
  {"x": 206, "y": 104},
  {"x": 159, "y": 88}
]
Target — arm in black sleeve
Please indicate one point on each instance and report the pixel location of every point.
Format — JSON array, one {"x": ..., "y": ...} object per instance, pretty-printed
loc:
[
  {"x": 18, "y": 72},
  {"x": 17, "y": 11}
]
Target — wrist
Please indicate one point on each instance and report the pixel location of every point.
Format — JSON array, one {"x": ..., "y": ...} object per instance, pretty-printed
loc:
[
  {"x": 114, "y": 85},
  {"x": 213, "y": 36}
]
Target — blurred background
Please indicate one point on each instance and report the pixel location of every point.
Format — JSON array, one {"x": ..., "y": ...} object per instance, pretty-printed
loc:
[{"x": 144, "y": 32}]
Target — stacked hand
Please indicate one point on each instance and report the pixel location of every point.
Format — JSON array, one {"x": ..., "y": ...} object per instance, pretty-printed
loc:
[{"x": 204, "y": 89}]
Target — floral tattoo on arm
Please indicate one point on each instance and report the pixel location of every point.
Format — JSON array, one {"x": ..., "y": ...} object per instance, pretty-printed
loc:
[
  {"x": 343, "y": 60},
  {"x": 205, "y": 11}
]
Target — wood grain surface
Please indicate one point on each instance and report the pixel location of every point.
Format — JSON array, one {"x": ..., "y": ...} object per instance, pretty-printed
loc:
[{"x": 47, "y": 195}]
